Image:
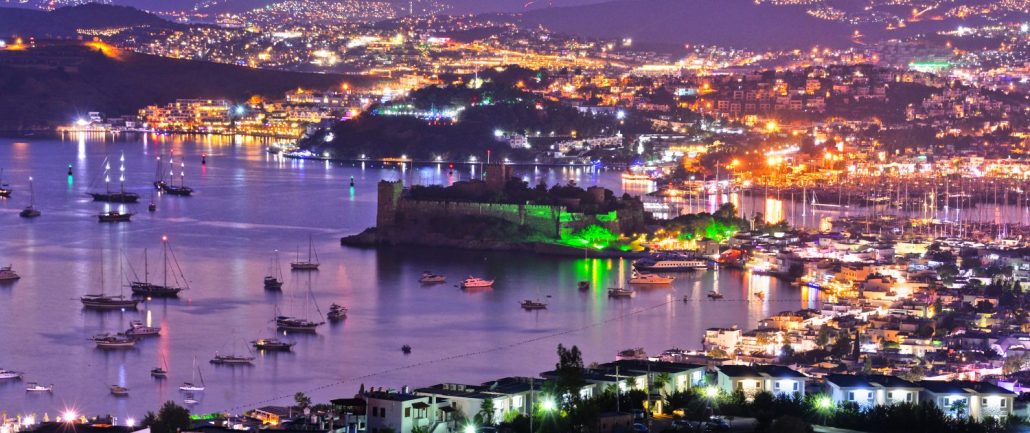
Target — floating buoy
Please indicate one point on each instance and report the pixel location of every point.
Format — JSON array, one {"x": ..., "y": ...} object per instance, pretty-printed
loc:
[
  {"x": 203, "y": 159},
  {"x": 352, "y": 181},
  {"x": 69, "y": 169}
]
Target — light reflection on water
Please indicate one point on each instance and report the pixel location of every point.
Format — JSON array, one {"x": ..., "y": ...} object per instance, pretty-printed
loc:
[{"x": 249, "y": 203}]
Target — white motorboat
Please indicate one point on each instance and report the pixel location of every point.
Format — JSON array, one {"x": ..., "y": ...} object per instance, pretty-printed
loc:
[
  {"x": 9, "y": 375},
  {"x": 35, "y": 387},
  {"x": 138, "y": 329},
  {"x": 473, "y": 283},
  {"x": 653, "y": 279},
  {"x": 7, "y": 274}
]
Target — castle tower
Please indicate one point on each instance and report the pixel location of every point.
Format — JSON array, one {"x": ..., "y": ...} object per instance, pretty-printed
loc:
[
  {"x": 388, "y": 202},
  {"x": 497, "y": 175}
]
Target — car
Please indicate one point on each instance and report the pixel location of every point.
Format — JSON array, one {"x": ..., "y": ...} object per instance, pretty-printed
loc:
[
  {"x": 639, "y": 415},
  {"x": 718, "y": 423},
  {"x": 683, "y": 425},
  {"x": 640, "y": 428}
]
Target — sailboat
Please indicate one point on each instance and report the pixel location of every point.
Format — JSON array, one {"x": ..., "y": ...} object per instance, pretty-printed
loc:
[
  {"x": 311, "y": 264},
  {"x": 272, "y": 345},
  {"x": 159, "y": 372},
  {"x": 170, "y": 187},
  {"x": 233, "y": 358},
  {"x": 297, "y": 324},
  {"x": 30, "y": 211},
  {"x": 192, "y": 386},
  {"x": 101, "y": 301},
  {"x": 5, "y": 190},
  {"x": 620, "y": 292},
  {"x": 274, "y": 279},
  {"x": 120, "y": 196},
  {"x": 163, "y": 290}
]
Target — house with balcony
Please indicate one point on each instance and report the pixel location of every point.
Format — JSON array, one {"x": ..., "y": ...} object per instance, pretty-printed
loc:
[
  {"x": 681, "y": 377},
  {"x": 976, "y": 400},
  {"x": 754, "y": 379},
  {"x": 511, "y": 395},
  {"x": 402, "y": 411},
  {"x": 871, "y": 390}
]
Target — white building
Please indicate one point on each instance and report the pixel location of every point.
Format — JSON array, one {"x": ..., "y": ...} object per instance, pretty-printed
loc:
[
  {"x": 973, "y": 399},
  {"x": 872, "y": 390},
  {"x": 755, "y": 379}
]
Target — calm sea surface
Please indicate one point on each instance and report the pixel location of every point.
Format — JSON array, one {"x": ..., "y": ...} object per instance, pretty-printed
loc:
[{"x": 249, "y": 204}]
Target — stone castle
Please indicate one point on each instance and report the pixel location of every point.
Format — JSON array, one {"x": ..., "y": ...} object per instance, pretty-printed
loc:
[{"x": 397, "y": 209}]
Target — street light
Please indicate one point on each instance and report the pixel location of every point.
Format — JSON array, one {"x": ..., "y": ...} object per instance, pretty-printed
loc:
[
  {"x": 547, "y": 404},
  {"x": 469, "y": 428},
  {"x": 823, "y": 402},
  {"x": 711, "y": 392}
]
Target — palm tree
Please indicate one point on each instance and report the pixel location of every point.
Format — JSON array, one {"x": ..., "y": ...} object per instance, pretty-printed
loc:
[
  {"x": 486, "y": 412},
  {"x": 660, "y": 380}
]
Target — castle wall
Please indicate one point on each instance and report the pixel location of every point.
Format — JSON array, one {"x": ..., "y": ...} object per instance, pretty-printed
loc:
[
  {"x": 545, "y": 220},
  {"x": 539, "y": 219}
]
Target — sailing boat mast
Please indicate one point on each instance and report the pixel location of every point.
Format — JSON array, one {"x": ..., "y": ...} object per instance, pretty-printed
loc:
[{"x": 121, "y": 173}]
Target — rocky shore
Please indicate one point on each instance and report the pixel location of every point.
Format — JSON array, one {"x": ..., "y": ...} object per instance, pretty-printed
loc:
[{"x": 372, "y": 237}]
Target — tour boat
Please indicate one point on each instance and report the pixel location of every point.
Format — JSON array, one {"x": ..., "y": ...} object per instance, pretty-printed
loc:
[
  {"x": 583, "y": 286},
  {"x": 119, "y": 391},
  {"x": 431, "y": 278},
  {"x": 137, "y": 329},
  {"x": 715, "y": 295},
  {"x": 120, "y": 196},
  {"x": 272, "y": 345},
  {"x": 311, "y": 264},
  {"x": 8, "y": 374},
  {"x": 115, "y": 217},
  {"x": 163, "y": 290},
  {"x": 159, "y": 372},
  {"x": 649, "y": 279},
  {"x": 30, "y": 211},
  {"x": 336, "y": 313},
  {"x": 618, "y": 292},
  {"x": 529, "y": 305},
  {"x": 170, "y": 187},
  {"x": 116, "y": 341},
  {"x": 473, "y": 282},
  {"x": 670, "y": 265},
  {"x": 232, "y": 359},
  {"x": 760, "y": 295},
  {"x": 35, "y": 387},
  {"x": 287, "y": 323},
  {"x": 192, "y": 386},
  {"x": 274, "y": 279},
  {"x": 7, "y": 274}
]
